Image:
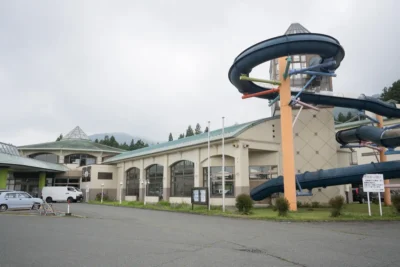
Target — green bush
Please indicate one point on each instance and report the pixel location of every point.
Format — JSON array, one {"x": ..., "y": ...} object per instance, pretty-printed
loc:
[
  {"x": 315, "y": 204},
  {"x": 105, "y": 197},
  {"x": 375, "y": 201},
  {"x": 299, "y": 204},
  {"x": 244, "y": 203},
  {"x": 336, "y": 204},
  {"x": 396, "y": 202},
  {"x": 282, "y": 205},
  {"x": 306, "y": 205}
]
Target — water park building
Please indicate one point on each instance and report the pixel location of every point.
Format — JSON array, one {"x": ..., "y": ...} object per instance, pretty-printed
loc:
[{"x": 324, "y": 161}]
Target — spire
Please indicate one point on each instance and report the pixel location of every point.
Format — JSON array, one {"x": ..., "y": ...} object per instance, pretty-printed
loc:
[
  {"x": 76, "y": 133},
  {"x": 295, "y": 28}
]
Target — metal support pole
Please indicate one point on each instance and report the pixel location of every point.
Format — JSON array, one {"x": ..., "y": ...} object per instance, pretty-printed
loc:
[
  {"x": 208, "y": 168},
  {"x": 223, "y": 165},
  {"x": 102, "y": 192},
  {"x": 247, "y": 78},
  {"x": 297, "y": 116}
]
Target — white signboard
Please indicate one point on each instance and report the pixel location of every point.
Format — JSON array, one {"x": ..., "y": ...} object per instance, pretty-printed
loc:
[
  {"x": 373, "y": 183},
  {"x": 203, "y": 195},
  {"x": 196, "y": 195}
]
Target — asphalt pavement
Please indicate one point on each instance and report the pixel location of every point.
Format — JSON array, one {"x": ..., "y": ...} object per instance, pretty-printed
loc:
[{"x": 117, "y": 236}]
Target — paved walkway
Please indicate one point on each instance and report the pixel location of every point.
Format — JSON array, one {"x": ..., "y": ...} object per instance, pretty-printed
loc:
[{"x": 116, "y": 236}]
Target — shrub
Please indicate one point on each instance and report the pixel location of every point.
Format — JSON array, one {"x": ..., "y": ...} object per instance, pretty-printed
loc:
[
  {"x": 244, "y": 203},
  {"x": 105, "y": 197},
  {"x": 282, "y": 205},
  {"x": 336, "y": 204},
  {"x": 396, "y": 202},
  {"x": 306, "y": 205},
  {"x": 299, "y": 204},
  {"x": 315, "y": 204}
]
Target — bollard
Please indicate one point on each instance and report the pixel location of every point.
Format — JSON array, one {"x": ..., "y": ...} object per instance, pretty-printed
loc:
[{"x": 68, "y": 213}]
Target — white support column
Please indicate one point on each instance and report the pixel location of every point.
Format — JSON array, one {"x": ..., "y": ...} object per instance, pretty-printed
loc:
[
  {"x": 197, "y": 170},
  {"x": 166, "y": 179},
  {"x": 120, "y": 178},
  {"x": 142, "y": 176},
  {"x": 242, "y": 182}
]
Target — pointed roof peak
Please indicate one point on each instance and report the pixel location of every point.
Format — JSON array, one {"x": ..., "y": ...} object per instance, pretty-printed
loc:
[
  {"x": 76, "y": 133},
  {"x": 295, "y": 28}
]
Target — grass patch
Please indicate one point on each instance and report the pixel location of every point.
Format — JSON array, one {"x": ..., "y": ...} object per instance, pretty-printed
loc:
[{"x": 351, "y": 212}]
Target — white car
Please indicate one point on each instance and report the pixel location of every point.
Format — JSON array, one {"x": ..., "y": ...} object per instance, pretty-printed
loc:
[
  {"x": 61, "y": 194},
  {"x": 18, "y": 200}
]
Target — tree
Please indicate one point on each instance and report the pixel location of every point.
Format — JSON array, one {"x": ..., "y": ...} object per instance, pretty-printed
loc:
[
  {"x": 198, "y": 129},
  {"x": 59, "y": 138},
  {"x": 391, "y": 93},
  {"x": 124, "y": 146},
  {"x": 113, "y": 142},
  {"x": 132, "y": 145},
  {"x": 181, "y": 136},
  {"x": 349, "y": 116},
  {"x": 341, "y": 117},
  {"x": 96, "y": 141},
  {"x": 189, "y": 131},
  {"x": 206, "y": 130},
  {"x": 170, "y": 138}
]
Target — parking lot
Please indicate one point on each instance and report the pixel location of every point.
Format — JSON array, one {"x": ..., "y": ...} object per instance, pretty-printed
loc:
[{"x": 116, "y": 236}]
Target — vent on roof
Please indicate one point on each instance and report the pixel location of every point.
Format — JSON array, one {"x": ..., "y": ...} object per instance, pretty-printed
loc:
[
  {"x": 295, "y": 28},
  {"x": 76, "y": 133},
  {"x": 8, "y": 149}
]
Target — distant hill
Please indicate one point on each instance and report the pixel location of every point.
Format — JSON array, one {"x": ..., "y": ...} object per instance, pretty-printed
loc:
[{"x": 121, "y": 138}]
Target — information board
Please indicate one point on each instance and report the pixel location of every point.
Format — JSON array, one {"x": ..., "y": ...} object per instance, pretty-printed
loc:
[
  {"x": 373, "y": 183},
  {"x": 200, "y": 195}
]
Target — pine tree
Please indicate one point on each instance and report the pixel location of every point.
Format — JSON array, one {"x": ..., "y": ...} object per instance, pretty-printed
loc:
[
  {"x": 189, "y": 131},
  {"x": 349, "y": 116},
  {"x": 206, "y": 130},
  {"x": 96, "y": 141},
  {"x": 198, "y": 129},
  {"x": 181, "y": 136},
  {"x": 113, "y": 142},
  {"x": 170, "y": 138},
  {"x": 59, "y": 138},
  {"x": 391, "y": 93},
  {"x": 341, "y": 117},
  {"x": 106, "y": 140},
  {"x": 132, "y": 145}
]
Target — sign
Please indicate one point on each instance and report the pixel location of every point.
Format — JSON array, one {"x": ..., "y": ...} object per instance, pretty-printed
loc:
[
  {"x": 199, "y": 196},
  {"x": 373, "y": 183}
]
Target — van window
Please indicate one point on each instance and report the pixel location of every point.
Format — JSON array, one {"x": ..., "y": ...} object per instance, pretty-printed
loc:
[{"x": 71, "y": 189}]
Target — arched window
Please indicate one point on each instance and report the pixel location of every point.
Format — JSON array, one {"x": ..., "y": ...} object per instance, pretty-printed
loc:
[
  {"x": 154, "y": 175},
  {"x": 81, "y": 159},
  {"x": 182, "y": 178},
  {"x": 48, "y": 157},
  {"x": 132, "y": 182}
]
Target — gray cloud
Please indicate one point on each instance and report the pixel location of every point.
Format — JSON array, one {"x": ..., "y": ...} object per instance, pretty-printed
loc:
[{"x": 151, "y": 67}]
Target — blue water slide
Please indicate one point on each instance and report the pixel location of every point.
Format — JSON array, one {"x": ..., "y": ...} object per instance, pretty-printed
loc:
[
  {"x": 323, "y": 178},
  {"x": 327, "y": 47}
]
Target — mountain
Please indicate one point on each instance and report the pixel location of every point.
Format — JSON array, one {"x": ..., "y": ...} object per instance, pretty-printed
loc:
[{"x": 121, "y": 137}]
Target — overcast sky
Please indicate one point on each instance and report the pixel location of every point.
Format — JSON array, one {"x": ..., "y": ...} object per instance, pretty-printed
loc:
[{"x": 148, "y": 68}]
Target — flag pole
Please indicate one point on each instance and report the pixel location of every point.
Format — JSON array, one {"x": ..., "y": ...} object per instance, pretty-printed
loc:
[
  {"x": 223, "y": 165},
  {"x": 208, "y": 168}
]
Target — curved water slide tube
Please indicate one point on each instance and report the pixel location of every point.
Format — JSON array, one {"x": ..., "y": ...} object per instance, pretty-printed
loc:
[
  {"x": 323, "y": 178},
  {"x": 327, "y": 47}
]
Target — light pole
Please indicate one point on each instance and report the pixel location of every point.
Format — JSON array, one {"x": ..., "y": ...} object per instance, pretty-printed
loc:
[
  {"x": 120, "y": 193},
  {"x": 102, "y": 190}
]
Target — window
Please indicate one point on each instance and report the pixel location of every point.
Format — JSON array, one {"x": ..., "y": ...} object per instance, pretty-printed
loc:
[
  {"x": 263, "y": 172},
  {"x": 132, "y": 182},
  {"x": 296, "y": 58},
  {"x": 303, "y": 58},
  {"x": 11, "y": 195},
  {"x": 154, "y": 177},
  {"x": 182, "y": 178},
  {"x": 104, "y": 176},
  {"x": 80, "y": 159},
  {"x": 71, "y": 189},
  {"x": 216, "y": 180},
  {"x": 45, "y": 157}
]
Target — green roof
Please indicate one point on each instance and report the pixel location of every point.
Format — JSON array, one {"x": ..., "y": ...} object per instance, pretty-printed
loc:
[
  {"x": 229, "y": 132},
  {"x": 12, "y": 160},
  {"x": 73, "y": 144}
]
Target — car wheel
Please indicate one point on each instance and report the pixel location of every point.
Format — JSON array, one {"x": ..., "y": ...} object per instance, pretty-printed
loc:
[
  {"x": 49, "y": 200},
  {"x": 3, "y": 207},
  {"x": 35, "y": 206},
  {"x": 70, "y": 199}
]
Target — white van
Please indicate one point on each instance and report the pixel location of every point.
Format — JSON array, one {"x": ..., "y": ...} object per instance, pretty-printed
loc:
[{"x": 61, "y": 193}]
